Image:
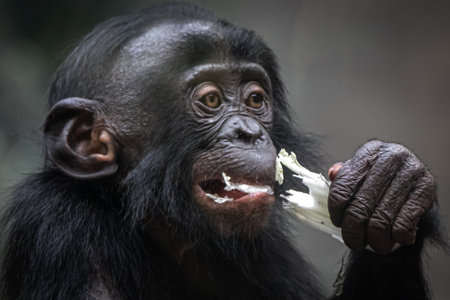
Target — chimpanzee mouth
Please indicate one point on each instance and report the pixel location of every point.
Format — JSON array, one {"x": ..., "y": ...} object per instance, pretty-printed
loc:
[{"x": 223, "y": 190}]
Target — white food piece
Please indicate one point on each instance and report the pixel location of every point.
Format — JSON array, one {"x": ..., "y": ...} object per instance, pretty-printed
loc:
[
  {"x": 246, "y": 188},
  {"x": 219, "y": 199},
  {"x": 279, "y": 176},
  {"x": 311, "y": 208}
]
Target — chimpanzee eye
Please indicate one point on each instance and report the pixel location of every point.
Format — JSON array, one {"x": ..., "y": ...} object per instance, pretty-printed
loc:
[
  {"x": 209, "y": 95},
  {"x": 254, "y": 100},
  {"x": 254, "y": 95},
  {"x": 211, "y": 100}
]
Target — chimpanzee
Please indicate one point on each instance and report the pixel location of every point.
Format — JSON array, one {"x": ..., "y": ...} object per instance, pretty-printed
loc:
[{"x": 145, "y": 115}]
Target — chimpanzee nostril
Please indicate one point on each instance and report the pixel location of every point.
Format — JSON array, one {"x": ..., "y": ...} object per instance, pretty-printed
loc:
[
  {"x": 242, "y": 130},
  {"x": 247, "y": 136}
]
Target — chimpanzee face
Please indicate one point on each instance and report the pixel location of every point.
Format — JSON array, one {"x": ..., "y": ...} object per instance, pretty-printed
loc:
[
  {"x": 178, "y": 88},
  {"x": 232, "y": 104},
  {"x": 228, "y": 103}
]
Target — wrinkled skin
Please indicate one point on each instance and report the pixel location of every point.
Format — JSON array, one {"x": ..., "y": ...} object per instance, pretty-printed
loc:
[
  {"x": 379, "y": 195},
  {"x": 233, "y": 107}
]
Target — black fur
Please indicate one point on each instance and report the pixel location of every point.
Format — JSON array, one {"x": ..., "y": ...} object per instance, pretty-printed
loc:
[
  {"x": 397, "y": 275},
  {"x": 72, "y": 239}
]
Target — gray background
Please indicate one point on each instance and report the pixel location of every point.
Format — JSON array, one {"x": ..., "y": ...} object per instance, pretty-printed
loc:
[{"x": 354, "y": 70}]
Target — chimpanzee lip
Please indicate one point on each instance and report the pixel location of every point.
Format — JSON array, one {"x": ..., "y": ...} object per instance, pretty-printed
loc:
[{"x": 215, "y": 187}]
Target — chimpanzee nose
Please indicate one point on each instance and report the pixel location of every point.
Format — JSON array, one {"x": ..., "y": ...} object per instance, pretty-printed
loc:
[{"x": 242, "y": 130}]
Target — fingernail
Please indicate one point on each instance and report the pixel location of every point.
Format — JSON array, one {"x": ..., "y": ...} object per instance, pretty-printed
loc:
[{"x": 334, "y": 170}]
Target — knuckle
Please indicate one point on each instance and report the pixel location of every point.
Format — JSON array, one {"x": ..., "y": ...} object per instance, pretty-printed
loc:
[
  {"x": 396, "y": 150},
  {"x": 401, "y": 226},
  {"x": 380, "y": 219},
  {"x": 359, "y": 212},
  {"x": 404, "y": 231},
  {"x": 370, "y": 148},
  {"x": 415, "y": 168},
  {"x": 424, "y": 194},
  {"x": 399, "y": 152},
  {"x": 420, "y": 204},
  {"x": 374, "y": 144},
  {"x": 429, "y": 181},
  {"x": 339, "y": 192},
  {"x": 411, "y": 213}
]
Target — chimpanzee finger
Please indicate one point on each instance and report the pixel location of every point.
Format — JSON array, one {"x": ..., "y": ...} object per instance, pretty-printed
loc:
[
  {"x": 379, "y": 228},
  {"x": 419, "y": 201},
  {"x": 349, "y": 177},
  {"x": 360, "y": 210},
  {"x": 334, "y": 170}
]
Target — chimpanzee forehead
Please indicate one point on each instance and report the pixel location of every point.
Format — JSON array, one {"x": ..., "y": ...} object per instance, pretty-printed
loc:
[
  {"x": 163, "y": 43},
  {"x": 171, "y": 50}
]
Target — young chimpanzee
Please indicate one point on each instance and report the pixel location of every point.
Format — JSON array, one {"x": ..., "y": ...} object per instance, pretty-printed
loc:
[{"x": 145, "y": 115}]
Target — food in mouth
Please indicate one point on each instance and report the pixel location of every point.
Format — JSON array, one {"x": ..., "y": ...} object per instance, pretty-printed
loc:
[{"x": 222, "y": 191}]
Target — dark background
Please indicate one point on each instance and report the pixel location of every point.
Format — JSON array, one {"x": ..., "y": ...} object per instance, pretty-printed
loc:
[{"x": 354, "y": 69}]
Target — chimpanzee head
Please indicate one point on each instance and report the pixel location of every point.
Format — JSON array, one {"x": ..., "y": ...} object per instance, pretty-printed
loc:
[{"x": 157, "y": 107}]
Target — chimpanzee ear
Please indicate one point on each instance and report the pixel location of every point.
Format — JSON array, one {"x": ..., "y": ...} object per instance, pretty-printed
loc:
[{"x": 77, "y": 140}]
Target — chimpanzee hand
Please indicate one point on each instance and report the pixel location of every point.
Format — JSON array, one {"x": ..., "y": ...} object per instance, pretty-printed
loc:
[{"x": 379, "y": 195}]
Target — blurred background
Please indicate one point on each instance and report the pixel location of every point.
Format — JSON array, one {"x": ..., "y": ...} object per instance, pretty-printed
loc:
[{"x": 354, "y": 70}]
